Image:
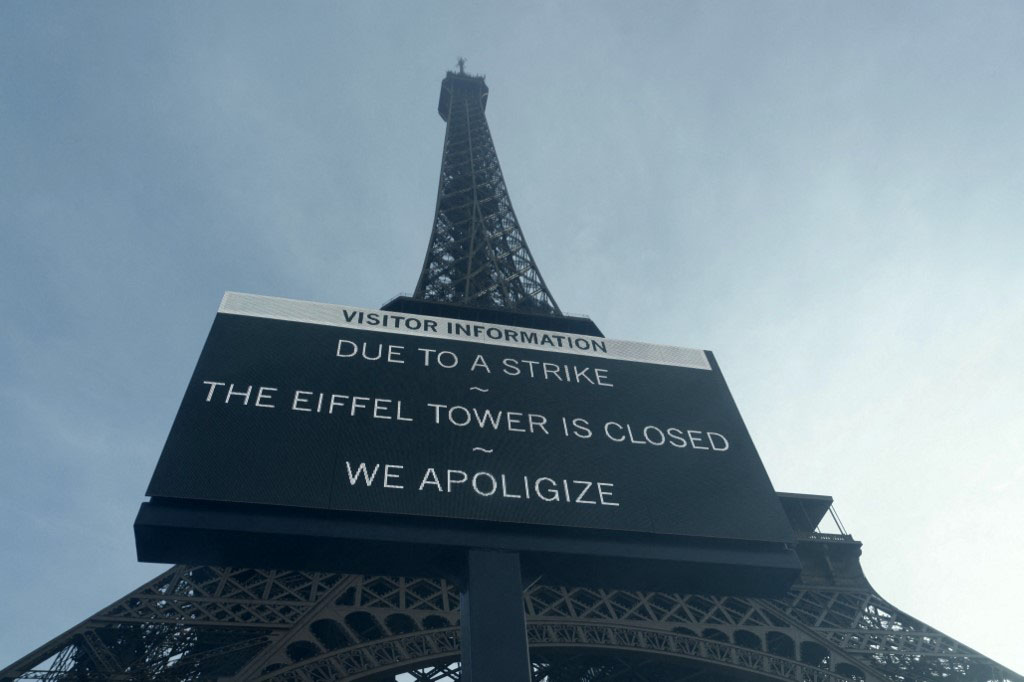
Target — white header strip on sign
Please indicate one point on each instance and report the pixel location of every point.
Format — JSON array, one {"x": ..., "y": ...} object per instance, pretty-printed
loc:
[{"x": 459, "y": 330}]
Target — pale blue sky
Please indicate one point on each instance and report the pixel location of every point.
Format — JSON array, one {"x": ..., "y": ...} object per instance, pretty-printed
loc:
[{"x": 829, "y": 196}]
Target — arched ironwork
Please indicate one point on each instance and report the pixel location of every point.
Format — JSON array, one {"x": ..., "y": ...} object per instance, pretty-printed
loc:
[{"x": 207, "y": 622}]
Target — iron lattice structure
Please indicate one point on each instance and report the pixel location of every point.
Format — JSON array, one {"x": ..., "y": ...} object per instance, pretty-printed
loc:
[
  {"x": 477, "y": 254},
  {"x": 235, "y": 624}
]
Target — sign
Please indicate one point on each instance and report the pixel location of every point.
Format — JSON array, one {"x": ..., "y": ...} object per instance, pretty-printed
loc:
[{"x": 329, "y": 407}]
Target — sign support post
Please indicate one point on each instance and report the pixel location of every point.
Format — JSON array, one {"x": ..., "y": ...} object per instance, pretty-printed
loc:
[{"x": 493, "y": 621}]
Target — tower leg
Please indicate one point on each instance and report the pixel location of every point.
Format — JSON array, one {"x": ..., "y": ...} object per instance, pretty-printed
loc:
[{"x": 493, "y": 626}]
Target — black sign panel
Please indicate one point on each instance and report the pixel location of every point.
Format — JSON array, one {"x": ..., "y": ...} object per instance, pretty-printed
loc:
[{"x": 337, "y": 408}]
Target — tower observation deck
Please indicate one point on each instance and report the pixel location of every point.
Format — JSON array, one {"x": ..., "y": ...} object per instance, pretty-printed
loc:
[{"x": 240, "y": 624}]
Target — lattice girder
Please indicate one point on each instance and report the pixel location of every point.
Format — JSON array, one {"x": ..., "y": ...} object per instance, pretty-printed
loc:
[
  {"x": 284, "y": 625},
  {"x": 477, "y": 254}
]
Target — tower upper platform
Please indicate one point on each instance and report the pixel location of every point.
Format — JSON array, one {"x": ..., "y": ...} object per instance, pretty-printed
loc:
[{"x": 457, "y": 86}]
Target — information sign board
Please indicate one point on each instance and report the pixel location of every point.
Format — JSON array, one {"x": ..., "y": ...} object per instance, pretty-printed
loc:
[{"x": 329, "y": 407}]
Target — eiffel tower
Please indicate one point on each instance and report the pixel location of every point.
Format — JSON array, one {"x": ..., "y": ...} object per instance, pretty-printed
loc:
[
  {"x": 477, "y": 254},
  {"x": 233, "y": 624}
]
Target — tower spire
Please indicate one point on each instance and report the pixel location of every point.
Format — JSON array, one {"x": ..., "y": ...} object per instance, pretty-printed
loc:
[{"x": 477, "y": 254}]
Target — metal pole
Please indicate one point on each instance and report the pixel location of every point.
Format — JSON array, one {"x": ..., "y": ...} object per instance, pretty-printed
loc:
[{"x": 493, "y": 627}]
